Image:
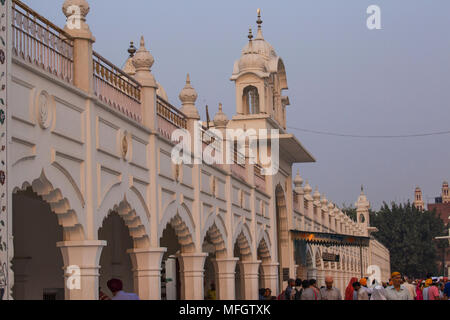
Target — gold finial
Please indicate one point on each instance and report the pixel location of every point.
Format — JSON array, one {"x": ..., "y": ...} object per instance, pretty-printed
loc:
[
  {"x": 220, "y": 107},
  {"x": 250, "y": 34},
  {"x": 188, "y": 79},
  {"x": 259, "y": 21},
  {"x": 132, "y": 49},
  {"x": 142, "y": 42}
]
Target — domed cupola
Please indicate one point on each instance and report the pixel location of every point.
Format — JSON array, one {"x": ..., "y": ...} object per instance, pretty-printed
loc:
[
  {"x": 251, "y": 60},
  {"x": 260, "y": 45}
]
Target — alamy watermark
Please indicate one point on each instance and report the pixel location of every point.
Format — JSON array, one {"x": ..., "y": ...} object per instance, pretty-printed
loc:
[
  {"x": 374, "y": 20},
  {"x": 261, "y": 147},
  {"x": 73, "y": 274},
  {"x": 73, "y": 17}
]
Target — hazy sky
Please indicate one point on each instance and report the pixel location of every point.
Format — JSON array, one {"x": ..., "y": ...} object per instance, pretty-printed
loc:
[{"x": 342, "y": 77}]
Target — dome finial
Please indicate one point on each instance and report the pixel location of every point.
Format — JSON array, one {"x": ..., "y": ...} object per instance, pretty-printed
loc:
[
  {"x": 188, "y": 79},
  {"x": 259, "y": 21},
  {"x": 132, "y": 50},
  {"x": 250, "y": 34}
]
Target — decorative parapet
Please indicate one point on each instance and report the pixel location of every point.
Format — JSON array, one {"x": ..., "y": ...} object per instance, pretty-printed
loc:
[
  {"x": 38, "y": 41},
  {"x": 116, "y": 88}
]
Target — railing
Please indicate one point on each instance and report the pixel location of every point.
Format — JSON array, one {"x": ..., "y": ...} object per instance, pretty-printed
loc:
[
  {"x": 116, "y": 88},
  {"x": 169, "y": 118},
  {"x": 38, "y": 41}
]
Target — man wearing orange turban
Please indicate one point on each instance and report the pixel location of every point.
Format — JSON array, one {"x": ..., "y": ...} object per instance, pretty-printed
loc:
[{"x": 397, "y": 291}]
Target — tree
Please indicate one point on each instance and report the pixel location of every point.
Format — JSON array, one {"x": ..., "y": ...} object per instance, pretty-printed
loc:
[{"x": 409, "y": 235}]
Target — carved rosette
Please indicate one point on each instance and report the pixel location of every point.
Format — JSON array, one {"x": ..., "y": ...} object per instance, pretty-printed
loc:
[{"x": 44, "y": 110}]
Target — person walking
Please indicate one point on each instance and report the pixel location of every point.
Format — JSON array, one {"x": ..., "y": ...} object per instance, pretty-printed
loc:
[
  {"x": 330, "y": 292},
  {"x": 116, "y": 287},
  {"x": 428, "y": 284},
  {"x": 378, "y": 293},
  {"x": 364, "y": 287},
  {"x": 350, "y": 290},
  {"x": 397, "y": 291},
  {"x": 298, "y": 289},
  {"x": 290, "y": 292},
  {"x": 308, "y": 293},
  {"x": 446, "y": 289},
  {"x": 313, "y": 285},
  {"x": 361, "y": 293},
  {"x": 419, "y": 295},
  {"x": 433, "y": 291},
  {"x": 407, "y": 282}
]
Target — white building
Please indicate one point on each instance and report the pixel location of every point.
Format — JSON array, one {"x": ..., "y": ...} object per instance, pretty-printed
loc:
[{"x": 91, "y": 188}]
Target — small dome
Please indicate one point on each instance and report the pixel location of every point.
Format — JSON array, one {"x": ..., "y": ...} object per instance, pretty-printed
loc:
[
  {"x": 252, "y": 61},
  {"x": 324, "y": 201},
  {"x": 129, "y": 68},
  {"x": 298, "y": 181},
  {"x": 316, "y": 195},
  {"x": 307, "y": 188},
  {"x": 188, "y": 95},
  {"x": 330, "y": 206},
  {"x": 220, "y": 119},
  {"x": 143, "y": 58},
  {"x": 260, "y": 47}
]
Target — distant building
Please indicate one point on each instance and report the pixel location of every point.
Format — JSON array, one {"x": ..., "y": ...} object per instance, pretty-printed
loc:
[{"x": 442, "y": 207}]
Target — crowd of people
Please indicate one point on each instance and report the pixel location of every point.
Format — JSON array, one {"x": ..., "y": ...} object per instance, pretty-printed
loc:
[{"x": 397, "y": 288}]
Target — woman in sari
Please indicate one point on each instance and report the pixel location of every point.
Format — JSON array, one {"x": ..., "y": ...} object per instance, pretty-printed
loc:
[
  {"x": 349, "y": 290},
  {"x": 419, "y": 290}
]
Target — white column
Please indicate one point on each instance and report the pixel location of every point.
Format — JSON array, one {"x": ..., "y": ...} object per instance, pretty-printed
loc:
[
  {"x": 81, "y": 268},
  {"x": 225, "y": 278},
  {"x": 192, "y": 274},
  {"x": 250, "y": 279},
  {"x": 147, "y": 272},
  {"x": 270, "y": 276}
]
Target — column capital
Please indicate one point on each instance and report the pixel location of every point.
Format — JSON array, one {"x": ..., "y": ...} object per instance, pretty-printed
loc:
[
  {"x": 147, "y": 271},
  {"x": 85, "y": 255}
]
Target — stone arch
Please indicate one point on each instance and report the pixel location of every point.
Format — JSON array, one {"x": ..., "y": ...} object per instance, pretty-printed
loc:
[
  {"x": 282, "y": 77},
  {"x": 264, "y": 251},
  {"x": 133, "y": 221},
  {"x": 60, "y": 205},
  {"x": 131, "y": 196},
  {"x": 180, "y": 219},
  {"x": 264, "y": 246},
  {"x": 217, "y": 234},
  {"x": 244, "y": 241},
  {"x": 251, "y": 100}
]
